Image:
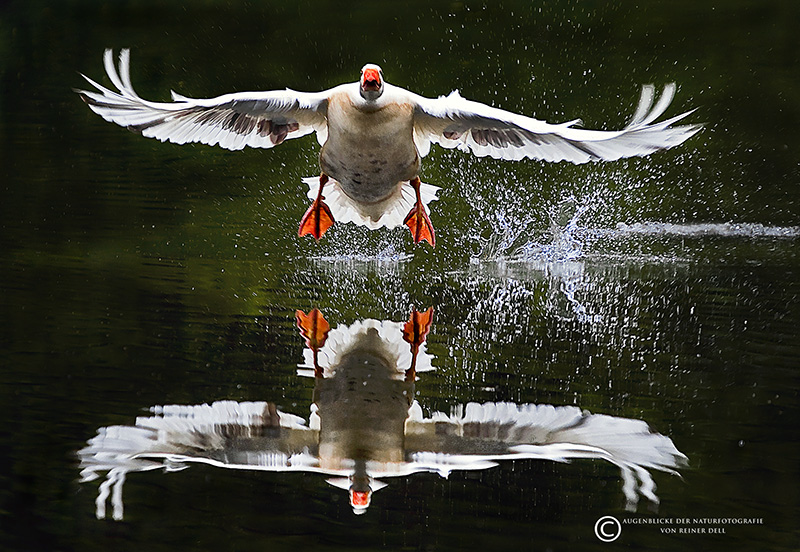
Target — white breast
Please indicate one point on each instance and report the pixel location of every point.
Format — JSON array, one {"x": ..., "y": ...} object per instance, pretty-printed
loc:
[{"x": 370, "y": 147}]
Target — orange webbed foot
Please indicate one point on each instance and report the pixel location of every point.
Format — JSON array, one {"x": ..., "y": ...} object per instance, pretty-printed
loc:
[
  {"x": 417, "y": 218},
  {"x": 317, "y": 220},
  {"x": 420, "y": 225}
]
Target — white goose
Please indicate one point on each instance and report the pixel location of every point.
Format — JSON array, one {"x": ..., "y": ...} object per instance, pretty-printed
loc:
[{"x": 373, "y": 135}]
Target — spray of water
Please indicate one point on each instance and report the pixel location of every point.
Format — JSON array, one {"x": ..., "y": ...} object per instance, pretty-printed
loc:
[{"x": 565, "y": 239}]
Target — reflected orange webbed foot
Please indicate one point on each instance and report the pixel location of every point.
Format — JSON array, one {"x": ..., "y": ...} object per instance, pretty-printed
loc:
[
  {"x": 416, "y": 329},
  {"x": 414, "y": 333},
  {"x": 314, "y": 329}
]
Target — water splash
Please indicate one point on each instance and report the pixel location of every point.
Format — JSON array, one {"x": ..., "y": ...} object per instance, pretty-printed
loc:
[
  {"x": 387, "y": 255},
  {"x": 727, "y": 229},
  {"x": 557, "y": 254},
  {"x": 564, "y": 241},
  {"x": 570, "y": 235},
  {"x": 567, "y": 237}
]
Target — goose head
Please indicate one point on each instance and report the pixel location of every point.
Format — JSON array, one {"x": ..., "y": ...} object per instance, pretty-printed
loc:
[{"x": 371, "y": 82}]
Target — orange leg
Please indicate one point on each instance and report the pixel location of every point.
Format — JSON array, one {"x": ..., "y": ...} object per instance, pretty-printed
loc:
[
  {"x": 318, "y": 217},
  {"x": 417, "y": 219}
]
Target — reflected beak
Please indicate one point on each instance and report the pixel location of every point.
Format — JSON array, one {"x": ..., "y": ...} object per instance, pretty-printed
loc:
[{"x": 360, "y": 499}]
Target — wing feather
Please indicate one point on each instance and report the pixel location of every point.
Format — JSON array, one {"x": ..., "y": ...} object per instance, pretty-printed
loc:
[
  {"x": 455, "y": 122},
  {"x": 232, "y": 121}
]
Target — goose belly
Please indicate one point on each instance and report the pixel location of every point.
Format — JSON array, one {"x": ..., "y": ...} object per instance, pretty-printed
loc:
[
  {"x": 369, "y": 174},
  {"x": 369, "y": 153}
]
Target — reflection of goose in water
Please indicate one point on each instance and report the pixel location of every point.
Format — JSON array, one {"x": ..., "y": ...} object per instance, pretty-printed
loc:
[{"x": 365, "y": 426}]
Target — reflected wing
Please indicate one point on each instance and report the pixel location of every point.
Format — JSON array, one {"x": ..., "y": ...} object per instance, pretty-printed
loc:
[
  {"x": 237, "y": 435},
  {"x": 453, "y": 121},
  {"x": 256, "y": 119},
  {"x": 476, "y": 436},
  {"x": 226, "y": 431}
]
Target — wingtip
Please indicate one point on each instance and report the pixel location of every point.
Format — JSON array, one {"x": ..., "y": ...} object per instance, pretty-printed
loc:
[
  {"x": 669, "y": 92},
  {"x": 80, "y": 91}
]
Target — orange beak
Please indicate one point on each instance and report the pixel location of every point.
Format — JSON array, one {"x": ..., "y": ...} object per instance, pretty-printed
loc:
[{"x": 371, "y": 79}]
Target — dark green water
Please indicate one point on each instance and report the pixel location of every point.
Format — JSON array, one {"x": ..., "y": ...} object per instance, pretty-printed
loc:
[{"x": 135, "y": 273}]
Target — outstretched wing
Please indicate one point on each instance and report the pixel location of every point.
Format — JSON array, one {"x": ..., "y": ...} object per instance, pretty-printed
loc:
[
  {"x": 453, "y": 121},
  {"x": 255, "y": 119}
]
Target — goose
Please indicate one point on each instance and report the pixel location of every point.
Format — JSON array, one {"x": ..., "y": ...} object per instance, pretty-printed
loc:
[{"x": 373, "y": 136}]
